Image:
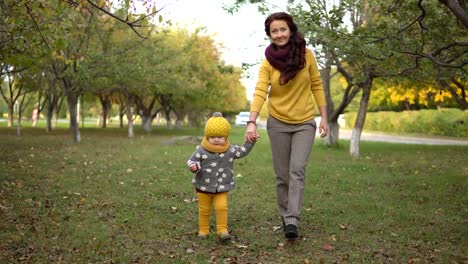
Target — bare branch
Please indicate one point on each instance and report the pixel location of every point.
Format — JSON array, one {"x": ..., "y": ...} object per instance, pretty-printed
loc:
[
  {"x": 132, "y": 24},
  {"x": 453, "y": 44},
  {"x": 418, "y": 19},
  {"x": 435, "y": 60}
]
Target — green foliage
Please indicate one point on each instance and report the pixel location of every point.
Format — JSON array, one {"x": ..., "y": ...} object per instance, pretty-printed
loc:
[
  {"x": 94, "y": 54},
  {"x": 111, "y": 199},
  {"x": 421, "y": 41},
  {"x": 441, "y": 122}
]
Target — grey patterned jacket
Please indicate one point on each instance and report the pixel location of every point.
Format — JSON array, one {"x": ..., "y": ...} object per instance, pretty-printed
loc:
[{"x": 216, "y": 173}]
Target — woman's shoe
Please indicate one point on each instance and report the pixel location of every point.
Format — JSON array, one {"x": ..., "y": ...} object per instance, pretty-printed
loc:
[{"x": 290, "y": 232}]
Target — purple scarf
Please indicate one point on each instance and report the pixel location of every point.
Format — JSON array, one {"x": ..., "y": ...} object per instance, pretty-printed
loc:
[{"x": 277, "y": 57}]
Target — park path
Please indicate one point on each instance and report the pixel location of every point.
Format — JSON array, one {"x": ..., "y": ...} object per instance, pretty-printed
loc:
[
  {"x": 375, "y": 136},
  {"x": 381, "y": 137}
]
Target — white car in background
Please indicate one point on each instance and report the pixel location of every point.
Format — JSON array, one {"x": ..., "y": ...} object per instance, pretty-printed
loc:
[{"x": 242, "y": 118}]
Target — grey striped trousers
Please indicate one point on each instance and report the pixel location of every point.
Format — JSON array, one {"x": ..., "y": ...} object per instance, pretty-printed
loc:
[{"x": 291, "y": 145}]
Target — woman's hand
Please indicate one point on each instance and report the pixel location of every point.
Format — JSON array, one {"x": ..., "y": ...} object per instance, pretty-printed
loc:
[
  {"x": 251, "y": 134},
  {"x": 323, "y": 128}
]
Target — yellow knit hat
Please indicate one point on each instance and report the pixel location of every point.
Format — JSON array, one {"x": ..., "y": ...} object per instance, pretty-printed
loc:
[{"x": 217, "y": 126}]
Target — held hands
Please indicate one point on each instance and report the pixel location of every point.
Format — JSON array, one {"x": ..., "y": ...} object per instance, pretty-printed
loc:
[
  {"x": 251, "y": 134},
  {"x": 194, "y": 166}
]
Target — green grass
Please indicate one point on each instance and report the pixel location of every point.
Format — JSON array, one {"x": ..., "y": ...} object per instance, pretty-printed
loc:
[{"x": 110, "y": 199}]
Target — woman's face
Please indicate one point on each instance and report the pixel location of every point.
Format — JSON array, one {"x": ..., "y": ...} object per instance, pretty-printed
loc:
[{"x": 279, "y": 33}]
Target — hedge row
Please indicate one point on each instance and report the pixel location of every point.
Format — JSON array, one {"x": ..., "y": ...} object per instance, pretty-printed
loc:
[{"x": 441, "y": 122}]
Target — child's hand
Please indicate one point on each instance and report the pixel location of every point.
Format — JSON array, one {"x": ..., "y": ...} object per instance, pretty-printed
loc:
[{"x": 194, "y": 167}]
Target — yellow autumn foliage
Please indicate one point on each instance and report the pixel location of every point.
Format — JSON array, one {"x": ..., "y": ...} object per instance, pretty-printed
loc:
[{"x": 419, "y": 95}]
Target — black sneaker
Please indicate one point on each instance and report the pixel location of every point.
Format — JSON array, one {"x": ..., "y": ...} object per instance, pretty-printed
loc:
[{"x": 290, "y": 232}]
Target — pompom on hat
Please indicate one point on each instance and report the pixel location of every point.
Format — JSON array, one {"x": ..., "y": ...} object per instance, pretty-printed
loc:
[{"x": 216, "y": 126}]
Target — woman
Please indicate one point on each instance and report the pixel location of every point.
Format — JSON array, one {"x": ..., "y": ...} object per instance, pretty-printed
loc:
[{"x": 290, "y": 79}]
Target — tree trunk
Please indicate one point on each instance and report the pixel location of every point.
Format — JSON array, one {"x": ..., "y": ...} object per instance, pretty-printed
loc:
[
  {"x": 55, "y": 119},
  {"x": 50, "y": 113},
  {"x": 105, "y": 104},
  {"x": 72, "y": 99},
  {"x": 10, "y": 100},
  {"x": 54, "y": 102},
  {"x": 458, "y": 9},
  {"x": 146, "y": 122},
  {"x": 179, "y": 120},
  {"x": 129, "y": 103},
  {"x": 11, "y": 111},
  {"x": 459, "y": 95},
  {"x": 74, "y": 126},
  {"x": 41, "y": 103},
  {"x": 121, "y": 114},
  {"x": 18, "y": 124},
  {"x": 194, "y": 119},
  {"x": 360, "y": 119},
  {"x": 167, "y": 114},
  {"x": 145, "y": 110},
  {"x": 333, "y": 133},
  {"x": 20, "y": 114}
]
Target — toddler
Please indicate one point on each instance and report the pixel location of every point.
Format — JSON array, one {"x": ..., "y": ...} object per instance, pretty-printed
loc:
[{"x": 212, "y": 163}]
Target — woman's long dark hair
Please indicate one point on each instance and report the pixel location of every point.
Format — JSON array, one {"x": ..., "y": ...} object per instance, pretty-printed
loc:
[{"x": 296, "y": 58}]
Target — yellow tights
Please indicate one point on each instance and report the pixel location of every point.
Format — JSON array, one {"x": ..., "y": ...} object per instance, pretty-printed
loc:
[{"x": 204, "y": 211}]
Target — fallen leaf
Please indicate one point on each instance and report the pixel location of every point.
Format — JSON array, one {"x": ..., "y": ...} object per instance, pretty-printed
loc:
[
  {"x": 414, "y": 260},
  {"x": 275, "y": 228},
  {"x": 328, "y": 247},
  {"x": 241, "y": 246}
]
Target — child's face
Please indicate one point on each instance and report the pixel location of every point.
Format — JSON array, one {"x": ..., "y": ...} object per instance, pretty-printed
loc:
[{"x": 217, "y": 140}]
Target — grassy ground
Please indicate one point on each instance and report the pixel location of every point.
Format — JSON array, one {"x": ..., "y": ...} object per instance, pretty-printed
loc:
[{"x": 109, "y": 199}]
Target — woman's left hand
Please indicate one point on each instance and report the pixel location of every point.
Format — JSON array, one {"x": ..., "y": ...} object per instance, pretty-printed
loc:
[{"x": 323, "y": 128}]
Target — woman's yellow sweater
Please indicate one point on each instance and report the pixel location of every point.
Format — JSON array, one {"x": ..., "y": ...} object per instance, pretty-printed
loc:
[{"x": 293, "y": 102}]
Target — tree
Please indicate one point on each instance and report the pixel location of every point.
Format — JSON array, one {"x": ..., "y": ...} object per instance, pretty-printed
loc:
[
  {"x": 86, "y": 49},
  {"x": 11, "y": 92},
  {"x": 59, "y": 31}
]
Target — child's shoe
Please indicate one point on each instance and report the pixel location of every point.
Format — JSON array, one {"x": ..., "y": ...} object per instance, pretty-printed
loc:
[
  {"x": 225, "y": 237},
  {"x": 202, "y": 236}
]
